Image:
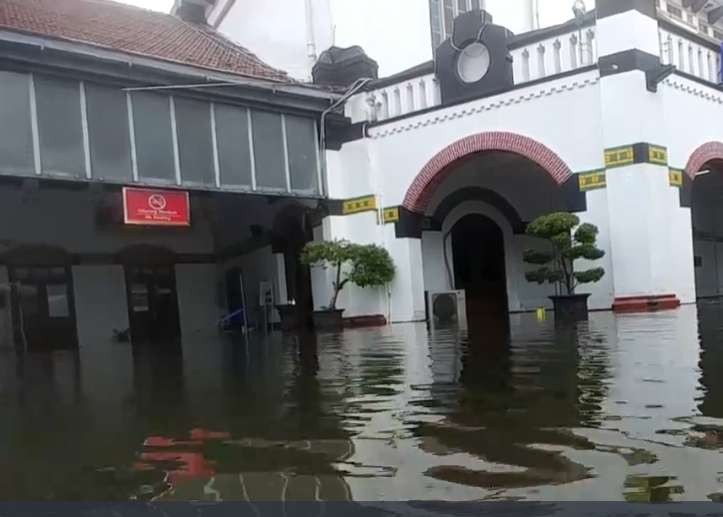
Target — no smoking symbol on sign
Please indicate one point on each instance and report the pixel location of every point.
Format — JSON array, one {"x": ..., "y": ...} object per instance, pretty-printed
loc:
[{"x": 157, "y": 202}]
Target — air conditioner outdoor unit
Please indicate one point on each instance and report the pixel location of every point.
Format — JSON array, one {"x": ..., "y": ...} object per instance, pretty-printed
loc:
[{"x": 447, "y": 308}]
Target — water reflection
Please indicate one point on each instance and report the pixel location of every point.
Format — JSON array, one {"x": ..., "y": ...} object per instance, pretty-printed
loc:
[{"x": 620, "y": 408}]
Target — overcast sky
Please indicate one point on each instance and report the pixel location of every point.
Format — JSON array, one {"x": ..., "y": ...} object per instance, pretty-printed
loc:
[
  {"x": 552, "y": 9},
  {"x": 350, "y": 23}
]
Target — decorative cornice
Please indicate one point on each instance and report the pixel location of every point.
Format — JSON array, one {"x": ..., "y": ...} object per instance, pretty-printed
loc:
[
  {"x": 710, "y": 93},
  {"x": 470, "y": 109}
]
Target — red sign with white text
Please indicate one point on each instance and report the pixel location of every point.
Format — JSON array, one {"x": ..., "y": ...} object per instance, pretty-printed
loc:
[{"x": 154, "y": 207}]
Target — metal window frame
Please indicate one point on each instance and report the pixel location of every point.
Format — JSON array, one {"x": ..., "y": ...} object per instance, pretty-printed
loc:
[
  {"x": 252, "y": 152},
  {"x": 174, "y": 133},
  {"x": 35, "y": 130},
  {"x": 285, "y": 142},
  {"x": 214, "y": 144},
  {"x": 132, "y": 136},
  {"x": 85, "y": 130}
]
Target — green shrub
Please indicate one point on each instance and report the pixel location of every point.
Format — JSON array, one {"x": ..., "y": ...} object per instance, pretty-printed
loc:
[
  {"x": 570, "y": 241},
  {"x": 370, "y": 265}
]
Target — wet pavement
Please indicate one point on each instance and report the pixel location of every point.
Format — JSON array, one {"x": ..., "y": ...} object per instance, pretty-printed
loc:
[{"x": 620, "y": 408}]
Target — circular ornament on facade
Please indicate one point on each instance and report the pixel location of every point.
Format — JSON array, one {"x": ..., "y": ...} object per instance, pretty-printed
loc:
[{"x": 473, "y": 62}]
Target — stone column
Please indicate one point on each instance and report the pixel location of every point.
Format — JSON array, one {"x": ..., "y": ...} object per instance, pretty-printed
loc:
[{"x": 650, "y": 237}]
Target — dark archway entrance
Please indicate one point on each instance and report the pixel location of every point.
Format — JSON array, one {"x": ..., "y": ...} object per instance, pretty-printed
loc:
[
  {"x": 478, "y": 249},
  {"x": 152, "y": 295},
  {"x": 705, "y": 173},
  {"x": 43, "y": 306}
]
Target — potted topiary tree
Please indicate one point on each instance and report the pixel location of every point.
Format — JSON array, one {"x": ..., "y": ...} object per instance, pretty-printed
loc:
[
  {"x": 569, "y": 241},
  {"x": 363, "y": 265}
]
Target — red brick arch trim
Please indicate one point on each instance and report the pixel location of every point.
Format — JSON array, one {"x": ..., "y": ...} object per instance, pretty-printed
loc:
[
  {"x": 440, "y": 167},
  {"x": 704, "y": 154}
]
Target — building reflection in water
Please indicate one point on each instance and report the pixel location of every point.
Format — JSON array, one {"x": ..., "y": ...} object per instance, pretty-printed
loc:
[
  {"x": 711, "y": 360},
  {"x": 518, "y": 386},
  {"x": 622, "y": 407}
]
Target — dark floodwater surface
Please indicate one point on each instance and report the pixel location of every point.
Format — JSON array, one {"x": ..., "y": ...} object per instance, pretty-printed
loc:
[{"x": 622, "y": 408}]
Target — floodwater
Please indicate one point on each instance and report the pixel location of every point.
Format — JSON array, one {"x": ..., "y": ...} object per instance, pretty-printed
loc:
[{"x": 620, "y": 408}]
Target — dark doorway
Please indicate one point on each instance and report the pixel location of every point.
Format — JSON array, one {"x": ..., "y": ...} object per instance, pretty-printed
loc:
[
  {"x": 291, "y": 233},
  {"x": 153, "y": 304},
  {"x": 43, "y": 307},
  {"x": 479, "y": 265}
]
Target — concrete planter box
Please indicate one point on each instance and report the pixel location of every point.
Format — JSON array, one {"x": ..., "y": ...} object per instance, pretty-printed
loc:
[
  {"x": 329, "y": 320},
  {"x": 570, "y": 308}
]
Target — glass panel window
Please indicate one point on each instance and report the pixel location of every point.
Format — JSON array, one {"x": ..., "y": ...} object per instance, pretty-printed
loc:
[
  {"x": 110, "y": 148},
  {"x": 269, "y": 150},
  {"x": 154, "y": 140},
  {"x": 59, "y": 125},
  {"x": 195, "y": 144},
  {"x": 16, "y": 136},
  {"x": 232, "y": 138},
  {"x": 435, "y": 7},
  {"x": 301, "y": 140},
  {"x": 448, "y": 17}
]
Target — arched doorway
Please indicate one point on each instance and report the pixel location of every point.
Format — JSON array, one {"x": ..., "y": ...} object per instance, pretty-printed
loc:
[
  {"x": 478, "y": 249},
  {"x": 705, "y": 172},
  {"x": 42, "y": 298},
  {"x": 476, "y": 197},
  {"x": 152, "y": 295}
]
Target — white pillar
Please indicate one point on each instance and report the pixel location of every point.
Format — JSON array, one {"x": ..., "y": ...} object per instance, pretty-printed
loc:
[
  {"x": 651, "y": 251},
  {"x": 406, "y": 300}
]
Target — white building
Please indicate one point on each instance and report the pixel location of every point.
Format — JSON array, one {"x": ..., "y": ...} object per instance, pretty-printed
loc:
[
  {"x": 292, "y": 36},
  {"x": 615, "y": 117}
]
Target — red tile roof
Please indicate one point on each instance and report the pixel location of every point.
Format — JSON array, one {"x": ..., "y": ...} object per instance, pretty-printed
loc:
[{"x": 133, "y": 30}]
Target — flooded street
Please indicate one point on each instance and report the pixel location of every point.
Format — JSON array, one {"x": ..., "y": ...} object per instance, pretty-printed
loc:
[{"x": 623, "y": 408}]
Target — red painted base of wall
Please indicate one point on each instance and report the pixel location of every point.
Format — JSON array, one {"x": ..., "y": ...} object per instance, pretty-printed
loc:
[
  {"x": 649, "y": 303},
  {"x": 376, "y": 320}
]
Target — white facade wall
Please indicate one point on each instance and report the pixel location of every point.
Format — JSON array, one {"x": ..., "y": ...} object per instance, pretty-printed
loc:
[
  {"x": 534, "y": 112},
  {"x": 386, "y": 163}
]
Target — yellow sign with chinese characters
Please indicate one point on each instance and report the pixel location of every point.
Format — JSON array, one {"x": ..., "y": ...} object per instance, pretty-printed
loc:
[
  {"x": 658, "y": 155},
  {"x": 358, "y": 205},
  {"x": 619, "y": 156},
  {"x": 675, "y": 177},
  {"x": 592, "y": 180},
  {"x": 391, "y": 215}
]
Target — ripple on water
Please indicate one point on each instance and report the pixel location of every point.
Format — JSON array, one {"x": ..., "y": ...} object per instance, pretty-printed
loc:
[{"x": 623, "y": 407}]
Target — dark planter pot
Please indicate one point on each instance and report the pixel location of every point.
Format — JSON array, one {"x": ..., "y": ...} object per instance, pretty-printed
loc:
[
  {"x": 329, "y": 320},
  {"x": 290, "y": 317},
  {"x": 570, "y": 308}
]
